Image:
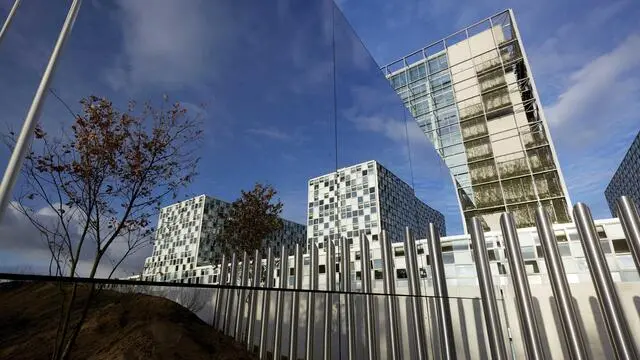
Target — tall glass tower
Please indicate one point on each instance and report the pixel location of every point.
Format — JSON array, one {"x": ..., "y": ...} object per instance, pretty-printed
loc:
[{"x": 474, "y": 97}]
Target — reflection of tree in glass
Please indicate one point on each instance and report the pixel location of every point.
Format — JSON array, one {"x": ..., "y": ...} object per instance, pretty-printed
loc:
[
  {"x": 100, "y": 184},
  {"x": 251, "y": 218}
]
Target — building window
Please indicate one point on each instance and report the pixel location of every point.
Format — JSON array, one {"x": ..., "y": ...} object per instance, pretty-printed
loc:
[{"x": 401, "y": 273}]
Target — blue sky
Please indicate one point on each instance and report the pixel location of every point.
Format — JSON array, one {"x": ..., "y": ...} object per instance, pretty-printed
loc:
[{"x": 262, "y": 77}]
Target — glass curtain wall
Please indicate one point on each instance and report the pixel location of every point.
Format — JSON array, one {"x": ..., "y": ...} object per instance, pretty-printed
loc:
[{"x": 472, "y": 95}]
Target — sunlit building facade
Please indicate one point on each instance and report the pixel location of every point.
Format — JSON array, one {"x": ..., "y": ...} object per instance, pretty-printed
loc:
[
  {"x": 365, "y": 197},
  {"x": 474, "y": 97},
  {"x": 626, "y": 179}
]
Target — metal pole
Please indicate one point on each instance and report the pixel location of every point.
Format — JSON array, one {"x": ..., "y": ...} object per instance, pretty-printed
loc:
[
  {"x": 614, "y": 318},
  {"x": 560, "y": 286},
  {"x": 443, "y": 310},
  {"x": 414, "y": 289},
  {"x": 628, "y": 215},
  {"x": 219, "y": 294},
  {"x": 311, "y": 300},
  {"x": 489, "y": 302},
  {"x": 253, "y": 303},
  {"x": 7, "y": 22},
  {"x": 241, "y": 297},
  {"x": 266, "y": 299},
  {"x": 330, "y": 266},
  {"x": 389, "y": 281},
  {"x": 284, "y": 276},
  {"x": 295, "y": 302},
  {"x": 24, "y": 140},
  {"x": 524, "y": 302},
  {"x": 346, "y": 287},
  {"x": 229, "y": 308},
  {"x": 369, "y": 311}
]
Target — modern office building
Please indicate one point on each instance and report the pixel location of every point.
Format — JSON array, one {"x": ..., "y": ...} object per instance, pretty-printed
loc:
[
  {"x": 187, "y": 245},
  {"x": 626, "y": 179},
  {"x": 366, "y": 197},
  {"x": 474, "y": 97}
]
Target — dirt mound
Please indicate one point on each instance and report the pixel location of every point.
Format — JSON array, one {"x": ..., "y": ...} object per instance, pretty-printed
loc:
[{"x": 118, "y": 326}]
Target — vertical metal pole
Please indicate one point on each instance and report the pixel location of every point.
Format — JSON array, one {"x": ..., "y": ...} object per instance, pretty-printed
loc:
[
  {"x": 311, "y": 300},
  {"x": 369, "y": 311},
  {"x": 295, "y": 303},
  {"x": 9, "y": 19},
  {"x": 266, "y": 299},
  {"x": 241, "y": 297},
  {"x": 346, "y": 287},
  {"x": 284, "y": 276},
  {"x": 628, "y": 215},
  {"x": 524, "y": 302},
  {"x": 253, "y": 303},
  {"x": 222, "y": 275},
  {"x": 443, "y": 310},
  {"x": 560, "y": 286},
  {"x": 24, "y": 140},
  {"x": 330, "y": 266},
  {"x": 389, "y": 281},
  {"x": 489, "y": 302},
  {"x": 614, "y": 318},
  {"x": 230, "y": 292},
  {"x": 414, "y": 290}
]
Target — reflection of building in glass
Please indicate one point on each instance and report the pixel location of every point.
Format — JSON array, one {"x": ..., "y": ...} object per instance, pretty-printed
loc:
[
  {"x": 474, "y": 97},
  {"x": 626, "y": 180},
  {"x": 366, "y": 197},
  {"x": 186, "y": 239}
]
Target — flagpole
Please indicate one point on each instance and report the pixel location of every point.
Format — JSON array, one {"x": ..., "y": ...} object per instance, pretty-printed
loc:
[
  {"x": 24, "y": 140},
  {"x": 7, "y": 22}
]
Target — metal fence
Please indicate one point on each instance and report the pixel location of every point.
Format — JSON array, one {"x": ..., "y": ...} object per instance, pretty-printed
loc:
[{"x": 292, "y": 322}]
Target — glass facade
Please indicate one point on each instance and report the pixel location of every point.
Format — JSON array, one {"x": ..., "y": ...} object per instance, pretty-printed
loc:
[
  {"x": 626, "y": 179},
  {"x": 473, "y": 96}
]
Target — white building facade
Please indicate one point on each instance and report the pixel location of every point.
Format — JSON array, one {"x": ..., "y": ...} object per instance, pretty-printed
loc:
[
  {"x": 187, "y": 244},
  {"x": 365, "y": 197}
]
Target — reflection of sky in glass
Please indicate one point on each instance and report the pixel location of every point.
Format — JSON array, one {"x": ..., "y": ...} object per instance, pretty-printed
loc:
[{"x": 265, "y": 77}]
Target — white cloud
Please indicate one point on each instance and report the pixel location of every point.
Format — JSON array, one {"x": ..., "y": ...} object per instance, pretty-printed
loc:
[
  {"x": 23, "y": 247},
  {"x": 271, "y": 133},
  {"x": 597, "y": 91},
  {"x": 165, "y": 42}
]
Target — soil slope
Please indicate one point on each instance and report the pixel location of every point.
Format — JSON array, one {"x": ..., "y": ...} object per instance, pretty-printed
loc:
[{"x": 118, "y": 326}]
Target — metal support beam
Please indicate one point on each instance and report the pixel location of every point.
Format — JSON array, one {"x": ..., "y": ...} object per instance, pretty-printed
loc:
[
  {"x": 560, "y": 286},
  {"x": 370, "y": 345},
  {"x": 610, "y": 306},
  {"x": 420, "y": 340},
  {"x": 9, "y": 19},
  {"x": 253, "y": 303},
  {"x": 222, "y": 277},
  {"x": 284, "y": 276},
  {"x": 489, "y": 302},
  {"x": 311, "y": 300},
  {"x": 241, "y": 297},
  {"x": 389, "y": 281},
  {"x": 345, "y": 281},
  {"x": 266, "y": 300},
  {"x": 443, "y": 310},
  {"x": 295, "y": 303},
  {"x": 30, "y": 121},
  {"x": 524, "y": 302},
  {"x": 330, "y": 267},
  {"x": 630, "y": 220},
  {"x": 233, "y": 276}
]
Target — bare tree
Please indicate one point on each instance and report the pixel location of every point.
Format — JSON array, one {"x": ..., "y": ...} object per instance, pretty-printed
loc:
[
  {"x": 100, "y": 183},
  {"x": 192, "y": 299}
]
